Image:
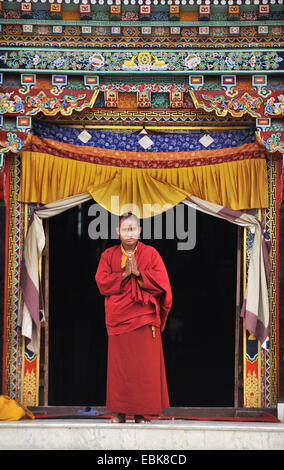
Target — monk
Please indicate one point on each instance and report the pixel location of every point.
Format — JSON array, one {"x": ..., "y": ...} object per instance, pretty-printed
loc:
[{"x": 138, "y": 298}]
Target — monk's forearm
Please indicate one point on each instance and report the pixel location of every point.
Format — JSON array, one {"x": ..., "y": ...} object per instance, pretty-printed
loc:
[
  {"x": 109, "y": 284},
  {"x": 149, "y": 285}
]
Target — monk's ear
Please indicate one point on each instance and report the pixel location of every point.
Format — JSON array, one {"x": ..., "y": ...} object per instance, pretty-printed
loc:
[{"x": 117, "y": 230}]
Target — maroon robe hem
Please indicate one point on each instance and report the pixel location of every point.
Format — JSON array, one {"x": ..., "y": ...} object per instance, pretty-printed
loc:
[{"x": 136, "y": 378}]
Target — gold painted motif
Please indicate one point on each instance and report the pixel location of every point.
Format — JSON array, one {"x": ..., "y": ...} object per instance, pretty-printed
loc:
[
  {"x": 252, "y": 389},
  {"x": 30, "y": 389}
]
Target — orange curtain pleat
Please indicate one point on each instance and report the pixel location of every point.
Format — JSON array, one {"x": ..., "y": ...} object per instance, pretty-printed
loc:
[{"x": 237, "y": 185}]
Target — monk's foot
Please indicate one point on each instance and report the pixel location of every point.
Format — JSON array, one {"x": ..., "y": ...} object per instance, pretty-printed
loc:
[
  {"x": 119, "y": 418},
  {"x": 141, "y": 419}
]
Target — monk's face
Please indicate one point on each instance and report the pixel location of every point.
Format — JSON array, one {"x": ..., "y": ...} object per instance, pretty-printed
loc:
[{"x": 129, "y": 232}]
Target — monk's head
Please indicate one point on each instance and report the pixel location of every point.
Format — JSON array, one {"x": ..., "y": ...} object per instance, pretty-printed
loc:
[{"x": 129, "y": 230}]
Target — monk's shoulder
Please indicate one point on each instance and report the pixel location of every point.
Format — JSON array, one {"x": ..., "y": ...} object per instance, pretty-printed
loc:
[
  {"x": 150, "y": 251},
  {"x": 108, "y": 252}
]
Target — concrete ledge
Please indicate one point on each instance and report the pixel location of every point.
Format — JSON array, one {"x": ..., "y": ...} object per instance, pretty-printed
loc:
[
  {"x": 280, "y": 412},
  {"x": 170, "y": 435}
]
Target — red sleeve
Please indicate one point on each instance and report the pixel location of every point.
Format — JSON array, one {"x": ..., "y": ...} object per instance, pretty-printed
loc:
[
  {"x": 154, "y": 277},
  {"x": 108, "y": 283},
  {"x": 155, "y": 281}
]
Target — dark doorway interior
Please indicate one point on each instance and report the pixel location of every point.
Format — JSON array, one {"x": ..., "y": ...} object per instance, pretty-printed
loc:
[{"x": 199, "y": 338}]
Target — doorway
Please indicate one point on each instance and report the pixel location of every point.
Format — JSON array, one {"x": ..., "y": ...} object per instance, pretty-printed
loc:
[{"x": 199, "y": 339}]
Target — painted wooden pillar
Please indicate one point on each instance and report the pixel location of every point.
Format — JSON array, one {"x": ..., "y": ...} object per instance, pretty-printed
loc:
[{"x": 20, "y": 367}]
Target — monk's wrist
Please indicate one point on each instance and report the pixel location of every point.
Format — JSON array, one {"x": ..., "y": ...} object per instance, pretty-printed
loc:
[{"x": 124, "y": 275}]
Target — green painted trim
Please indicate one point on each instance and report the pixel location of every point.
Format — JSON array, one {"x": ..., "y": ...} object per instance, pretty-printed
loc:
[
  {"x": 121, "y": 54},
  {"x": 136, "y": 50},
  {"x": 141, "y": 23},
  {"x": 145, "y": 73}
]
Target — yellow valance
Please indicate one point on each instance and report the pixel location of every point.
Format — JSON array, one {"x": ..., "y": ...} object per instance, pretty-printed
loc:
[{"x": 236, "y": 183}]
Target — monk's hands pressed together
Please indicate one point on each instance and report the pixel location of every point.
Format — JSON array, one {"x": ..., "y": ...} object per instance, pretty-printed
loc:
[
  {"x": 134, "y": 267},
  {"x": 130, "y": 267}
]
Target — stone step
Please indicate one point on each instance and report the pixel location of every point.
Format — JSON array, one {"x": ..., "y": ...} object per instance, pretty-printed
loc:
[{"x": 80, "y": 434}]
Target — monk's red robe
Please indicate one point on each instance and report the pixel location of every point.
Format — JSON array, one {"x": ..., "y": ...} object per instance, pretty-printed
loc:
[{"x": 136, "y": 379}]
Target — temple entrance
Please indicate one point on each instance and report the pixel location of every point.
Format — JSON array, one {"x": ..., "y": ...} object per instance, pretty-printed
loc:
[{"x": 199, "y": 339}]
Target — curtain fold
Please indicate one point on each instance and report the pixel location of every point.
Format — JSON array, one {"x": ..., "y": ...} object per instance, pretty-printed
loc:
[
  {"x": 31, "y": 309},
  {"x": 255, "y": 309},
  {"x": 240, "y": 183}
]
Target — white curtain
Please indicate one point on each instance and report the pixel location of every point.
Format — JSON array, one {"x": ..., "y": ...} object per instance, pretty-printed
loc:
[{"x": 30, "y": 305}]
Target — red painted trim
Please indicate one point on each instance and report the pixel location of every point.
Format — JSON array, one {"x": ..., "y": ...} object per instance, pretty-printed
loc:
[
  {"x": 278, "y": 205},
  {"x": 282, "y": 177},
  {"x": 7, "y": 195},
  {"x": 2, "y": 192}
]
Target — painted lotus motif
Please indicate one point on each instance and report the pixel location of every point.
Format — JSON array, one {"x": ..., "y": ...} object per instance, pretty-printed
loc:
[
  {"x": 192, "y": 61},
  {"x": 97, "y": 61},
  {"x": 111, "y": 61}
]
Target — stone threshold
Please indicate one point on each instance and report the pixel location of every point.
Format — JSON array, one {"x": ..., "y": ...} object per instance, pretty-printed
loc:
[{"x": 82, "y": 434}]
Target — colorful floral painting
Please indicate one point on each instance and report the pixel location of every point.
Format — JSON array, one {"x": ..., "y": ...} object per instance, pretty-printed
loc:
[
  {"x": 44, "y": 101},
  {"x": 273, "y": 141},
  {"x": 11, "y": 142},
  {"x": 237, "y": 103},
  {"x": 104, "y": 61}
]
